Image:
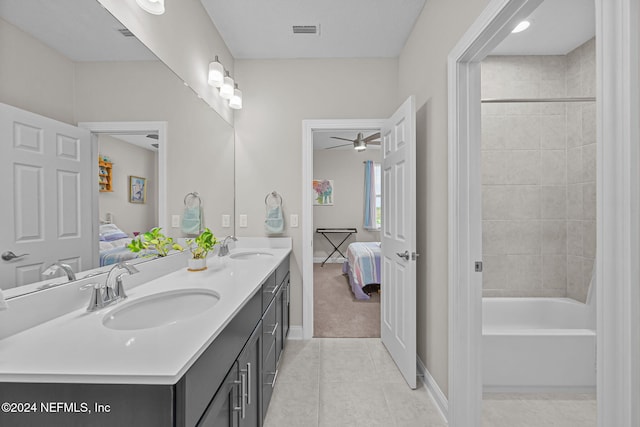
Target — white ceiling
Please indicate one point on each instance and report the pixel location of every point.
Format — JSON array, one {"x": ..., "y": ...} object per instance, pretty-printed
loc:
[
  {"x": 557, "y": 27},
  {"x": 81, "y": 30},
  {"x": 348, "y": 29},
  {"x": 322, "y": 139},
  {"x": 138, "y": 140}
]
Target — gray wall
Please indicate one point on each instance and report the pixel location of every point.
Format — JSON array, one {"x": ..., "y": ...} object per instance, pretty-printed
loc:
[
  {"x": 538, "y": 176},
  {"x": 346, "y": 169}
]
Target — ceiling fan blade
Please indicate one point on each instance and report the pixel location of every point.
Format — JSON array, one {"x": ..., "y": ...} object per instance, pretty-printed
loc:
[
  {"x": 338, "y": 146},
  {"x": 374, "y": 142},
  {"x": 344, "y": 139},
  {"x": 372, "y": 137}
]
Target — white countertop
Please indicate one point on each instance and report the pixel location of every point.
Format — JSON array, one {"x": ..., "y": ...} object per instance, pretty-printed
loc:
[{"x": 78, "y": 348}]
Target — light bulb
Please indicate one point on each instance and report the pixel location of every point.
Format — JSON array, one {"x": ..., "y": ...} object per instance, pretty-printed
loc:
[
  {"x": 155, "y": 7},
  {"x": 216, "y": 73},
  {"x": 236, "y": 100},
  {"x": 226, "y": 90},
  {"x": 521, "y": 27}
]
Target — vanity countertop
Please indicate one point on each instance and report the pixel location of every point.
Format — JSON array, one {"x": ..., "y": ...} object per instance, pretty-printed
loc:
[{"x": 78, "y": 348}]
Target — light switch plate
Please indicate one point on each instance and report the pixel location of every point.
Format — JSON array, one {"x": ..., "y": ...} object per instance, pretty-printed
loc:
[
  {"x": 243, "y": 220},
  {"x": 294, "y": 220},
  {"x": 226, "y": 221},
  {"x": 175, "y": 221}
]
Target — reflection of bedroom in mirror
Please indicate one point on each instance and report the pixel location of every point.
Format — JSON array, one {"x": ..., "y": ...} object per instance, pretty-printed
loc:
[
  {"x": 346, "y": 224},
  {"x": 57, "y": 84}
]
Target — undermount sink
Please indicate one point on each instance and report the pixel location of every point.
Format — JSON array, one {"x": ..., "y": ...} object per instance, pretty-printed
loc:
[
  {"x": 161, "y": 309},
  {"x": 250, "y": 255}
]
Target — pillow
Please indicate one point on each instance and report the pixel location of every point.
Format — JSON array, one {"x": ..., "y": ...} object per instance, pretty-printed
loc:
[{"x": 110, "y": 232}]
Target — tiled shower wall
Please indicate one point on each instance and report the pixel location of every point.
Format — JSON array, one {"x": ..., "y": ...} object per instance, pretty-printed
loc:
[{"x": 538, "y": 175}]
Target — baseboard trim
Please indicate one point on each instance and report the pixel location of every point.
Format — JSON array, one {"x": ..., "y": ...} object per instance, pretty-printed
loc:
[
  {"x": 295, "y": 333},
  {"x": 434, "y": 389},
  {"x": 334, "y": 260}
]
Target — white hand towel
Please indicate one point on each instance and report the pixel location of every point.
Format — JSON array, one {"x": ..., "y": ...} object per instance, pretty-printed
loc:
[{"x": 274, "y": 221}]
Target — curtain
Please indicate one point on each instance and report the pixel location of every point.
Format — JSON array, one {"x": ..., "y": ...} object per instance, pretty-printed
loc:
[{"x": 369, "y": 196}]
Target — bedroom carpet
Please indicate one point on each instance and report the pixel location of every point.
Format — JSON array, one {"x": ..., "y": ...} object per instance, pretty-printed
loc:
[{"x": 336, "y": 312}]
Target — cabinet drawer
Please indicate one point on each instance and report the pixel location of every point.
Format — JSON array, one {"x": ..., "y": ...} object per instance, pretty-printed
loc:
[
  {"x": 269, "y": 290},
  {"x": 269, "y": 377}
]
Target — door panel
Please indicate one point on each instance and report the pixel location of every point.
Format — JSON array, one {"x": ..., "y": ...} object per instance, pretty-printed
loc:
[
  {"x": 398, "y": 320},
  {"x": 46, "y": 167}
]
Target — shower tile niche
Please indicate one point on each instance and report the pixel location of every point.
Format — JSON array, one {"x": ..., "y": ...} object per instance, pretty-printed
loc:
[{"x": 538, "y": 175}]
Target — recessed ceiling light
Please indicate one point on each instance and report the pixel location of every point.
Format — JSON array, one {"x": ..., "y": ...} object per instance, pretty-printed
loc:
[{"x": 521, "y": 27}]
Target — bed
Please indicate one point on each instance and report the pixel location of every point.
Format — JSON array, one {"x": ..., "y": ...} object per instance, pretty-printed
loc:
[
  {"x": 363, "y": 268},
  {"x": 113, "y": 245}
]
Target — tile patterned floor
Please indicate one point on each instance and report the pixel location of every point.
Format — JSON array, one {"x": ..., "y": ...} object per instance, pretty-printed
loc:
[
  {"x": 353, "y": 382},
  {"x": 346, "y": 382}
]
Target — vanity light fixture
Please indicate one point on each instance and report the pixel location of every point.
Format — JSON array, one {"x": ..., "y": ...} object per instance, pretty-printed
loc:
[
  {"x": 226, "y": 90},
  {"x": 236, "y": 100},
  {"x": 155, "y": 7},
  {"x": 523, "y": 25},
  {"x": 216, "y": 73}
]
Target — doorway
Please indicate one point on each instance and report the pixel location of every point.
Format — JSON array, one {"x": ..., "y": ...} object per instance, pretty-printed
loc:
[
  {"x": 617, "y": 61},
  {"x": 150, "y": 133},
  {"x": 398, "y": 256},
  {"x": 308, "y": 231},
  {"x": 346, "y": 228}
]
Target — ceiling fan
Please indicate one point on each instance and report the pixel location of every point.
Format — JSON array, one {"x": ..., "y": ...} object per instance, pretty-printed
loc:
[{"x": 360, "y": 142}]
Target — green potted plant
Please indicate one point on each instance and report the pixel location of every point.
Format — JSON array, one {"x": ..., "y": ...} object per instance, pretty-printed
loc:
[
  {"x": 200, "y": 248},
  {"x": 154, "y": 240}
]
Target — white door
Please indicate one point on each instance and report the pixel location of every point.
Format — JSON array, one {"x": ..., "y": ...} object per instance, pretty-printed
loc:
[
  {"x": 47, "y": 181},
  {"x": 398, "y": 287}
]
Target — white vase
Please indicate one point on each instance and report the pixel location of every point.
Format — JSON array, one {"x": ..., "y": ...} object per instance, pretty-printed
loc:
[{"x": 197, "y": 264}]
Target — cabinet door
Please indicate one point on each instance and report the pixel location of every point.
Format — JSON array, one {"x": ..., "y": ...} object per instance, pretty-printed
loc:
[
  {"x": 249, "y": 365},
  {"x": 268, "y": 370},
  {"x": 285, "y": 311},
  {"x": 279, "y": 312},
  {"x": 224, "y": 409}
]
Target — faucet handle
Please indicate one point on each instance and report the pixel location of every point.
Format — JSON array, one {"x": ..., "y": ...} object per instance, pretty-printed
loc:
[
  {"x": 97, "y": 295},
  {"x": 119, "y": 288}
]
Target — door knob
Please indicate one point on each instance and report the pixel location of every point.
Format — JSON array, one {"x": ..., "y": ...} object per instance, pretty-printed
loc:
[
  {"x": 404, "y": 255},
  {"x": 8, "y": 256}
]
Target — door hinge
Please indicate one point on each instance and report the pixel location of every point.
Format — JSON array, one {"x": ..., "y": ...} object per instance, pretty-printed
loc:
[{"x": 478, "y": 266}]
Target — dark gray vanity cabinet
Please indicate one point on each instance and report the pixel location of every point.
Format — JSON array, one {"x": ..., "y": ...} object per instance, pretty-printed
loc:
[
  {"x": 197, "y": 388},
  {"x": 269, "y": 362},
  {"x": 229, "y": 385},
  {"x": 273, "y": 321},
  {"x": 224, "y": 409},
  {"x": 286, "y": 297},
  {"x": 249, "y": 368}
]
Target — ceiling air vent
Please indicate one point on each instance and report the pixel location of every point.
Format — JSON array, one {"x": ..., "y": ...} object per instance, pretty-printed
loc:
[
  {"x": 306, "y": 29},
  {"x": 125, "y": 32}
]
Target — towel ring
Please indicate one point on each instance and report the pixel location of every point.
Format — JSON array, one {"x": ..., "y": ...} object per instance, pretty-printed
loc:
[
  {"x": 275, "y": 195},
  {"x": 193, "y": 195}
]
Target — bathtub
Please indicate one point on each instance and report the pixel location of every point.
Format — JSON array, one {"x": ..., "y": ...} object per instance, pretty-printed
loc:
[{"x": 538, "y": 345}]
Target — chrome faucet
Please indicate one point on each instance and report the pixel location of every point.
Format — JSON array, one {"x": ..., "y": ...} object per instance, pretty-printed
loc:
[
  {"x": 106, "y": 294},
  {"x": 116, "y": 291},
  {"x": 53, "y": 269},
  {"x": 224, "y": 246}
]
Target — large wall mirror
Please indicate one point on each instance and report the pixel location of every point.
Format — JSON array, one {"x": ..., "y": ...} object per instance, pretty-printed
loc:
[{"x": 99, "y": 141}]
